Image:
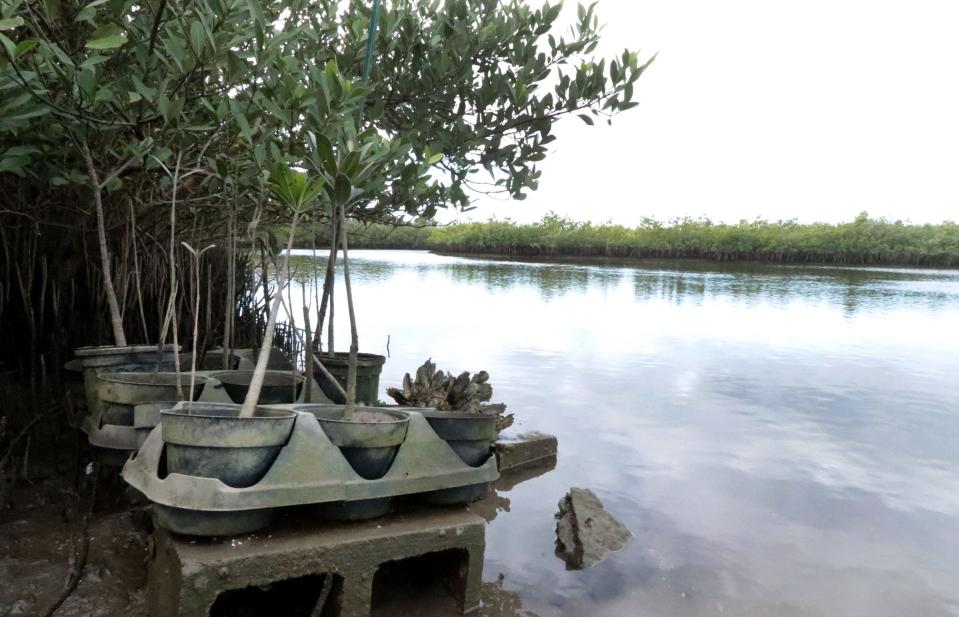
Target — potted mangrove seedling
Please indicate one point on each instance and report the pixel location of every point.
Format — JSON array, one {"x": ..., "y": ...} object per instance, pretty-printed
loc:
[
  {"x": 141, "y": 396},
  {"x": 368, "y": 437},
  {"x": 94, "y": 361},
  {"x": 332, "y": 368},
  {"x": 233, "y": 443}
]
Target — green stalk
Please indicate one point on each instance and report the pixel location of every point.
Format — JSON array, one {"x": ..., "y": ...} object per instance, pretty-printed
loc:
[
  {"x": 354, "y": 337},
  {"x": 259, "y": 373}
]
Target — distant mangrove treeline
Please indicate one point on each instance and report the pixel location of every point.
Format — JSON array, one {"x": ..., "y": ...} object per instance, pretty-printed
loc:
[{"x": 864, "y": 241}]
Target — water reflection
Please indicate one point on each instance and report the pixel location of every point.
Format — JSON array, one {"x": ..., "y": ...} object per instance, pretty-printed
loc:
[{"x": 780, "y": 441}]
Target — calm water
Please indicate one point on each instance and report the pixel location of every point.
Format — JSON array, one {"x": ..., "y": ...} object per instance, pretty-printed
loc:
[{"x": 781, "y": 441}]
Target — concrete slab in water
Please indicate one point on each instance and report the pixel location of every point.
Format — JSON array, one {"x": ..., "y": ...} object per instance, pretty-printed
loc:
[
  {"x": 585, "y": 531},
  {"x": 528, "y": 449}
]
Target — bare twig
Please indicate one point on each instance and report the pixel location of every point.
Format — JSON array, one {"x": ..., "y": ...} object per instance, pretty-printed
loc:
[{"x": 79, "y": 560}]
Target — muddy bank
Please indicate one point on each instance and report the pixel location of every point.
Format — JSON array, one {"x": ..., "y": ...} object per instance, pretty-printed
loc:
[{"x": 39, "y": 542}]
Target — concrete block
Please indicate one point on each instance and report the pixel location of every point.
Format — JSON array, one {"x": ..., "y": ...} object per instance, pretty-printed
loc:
[
  {"x": 526, "y": 450},
  {"x": 392, "y": 566}
]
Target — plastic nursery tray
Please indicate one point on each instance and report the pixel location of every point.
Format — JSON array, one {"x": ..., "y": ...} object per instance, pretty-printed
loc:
[
  {"x": 308, "y": 470},
  {"x": 103, "y": 434}
]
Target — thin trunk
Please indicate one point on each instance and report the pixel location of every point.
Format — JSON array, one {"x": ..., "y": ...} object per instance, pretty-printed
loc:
[
  {"x": 196, "y": 321},
  {"x": 230, "y": 299},
  {"x": 256, "y": 383},
  {"x": 116, "y": 318},
  {"x": 136, "y": 273},
  {"x": 173, "y": 284},
  {"x": 307, "y": 356},
  {"x": 354, "y": 338},
  {"x": 209, "y": 311},
  {"x": 328, "y": 283}
]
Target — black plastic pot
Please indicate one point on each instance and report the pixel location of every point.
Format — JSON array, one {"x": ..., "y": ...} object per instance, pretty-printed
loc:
[
  {"x": 470, "y": 435},
  {"x": 212, "y": 441},
  {"x": 368, "y": 369},
  {"x": 194, "y": 523},
  {"x": 211, "y": 361},
  {"x": 369, "y": 441},
  {"x": 119, "y": 392},
  {"x": 146, "y": 417},
  {"x": 149, "y": 387},
  {"x": 279, "y": 387},
  {"x": 459, "y": 496},
  {"x": 93, "y": 361}
]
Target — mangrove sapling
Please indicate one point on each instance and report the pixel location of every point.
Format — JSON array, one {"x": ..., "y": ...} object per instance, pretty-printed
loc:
[
  {"x": 294, "y": 190},
  {"x": 304, "y": 341},
  {"x": 116, "y": 316},
  {"x": 354, "y": 337},
  {"x": 307, "y": 357},
  {"x": 197, "y": 255}
]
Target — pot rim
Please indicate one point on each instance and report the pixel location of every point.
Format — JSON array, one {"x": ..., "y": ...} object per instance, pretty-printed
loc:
[
  {"x": 430, "y": 412},
  {"x": 401, "y": 417},
  {"x": 370, "y": 358},
  {"x": 107, "y": 350},
  {"x": 263, "y": 412},
  {"x": 220, "y": 374},
  {"x": 126, "y": 377}
]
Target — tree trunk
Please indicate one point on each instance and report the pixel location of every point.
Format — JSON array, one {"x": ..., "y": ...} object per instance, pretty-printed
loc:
[
  {"x": 116, "y": 318},
  {"x": 354, "y": 338}
]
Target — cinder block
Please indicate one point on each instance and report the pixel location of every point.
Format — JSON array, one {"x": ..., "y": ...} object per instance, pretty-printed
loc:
[
  {"x": 527, "y": 450},
  {"x": 378, "y": 567}
]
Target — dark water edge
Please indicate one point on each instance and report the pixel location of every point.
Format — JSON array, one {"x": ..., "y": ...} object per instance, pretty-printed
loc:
[
  {"x": 637, "y": 257},
  {"x": 666, "y": 262}
]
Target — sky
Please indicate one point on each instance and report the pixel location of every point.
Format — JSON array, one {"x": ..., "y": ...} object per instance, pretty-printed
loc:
[{"x": 813, "y": 110}]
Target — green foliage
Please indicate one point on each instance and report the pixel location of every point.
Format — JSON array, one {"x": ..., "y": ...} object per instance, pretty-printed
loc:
[
  {"x": 294, "y": 189},
  {"x": 862, "y": 241},
  {"x": 459, "y": 89},
  {"x": 195, "y": 104}
]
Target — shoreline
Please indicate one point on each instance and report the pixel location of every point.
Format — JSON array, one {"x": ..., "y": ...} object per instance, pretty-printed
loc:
[{"x": 625, "y": 260}]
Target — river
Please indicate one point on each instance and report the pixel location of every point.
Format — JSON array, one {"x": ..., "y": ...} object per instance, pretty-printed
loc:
[{"x": 780, "y": 440}]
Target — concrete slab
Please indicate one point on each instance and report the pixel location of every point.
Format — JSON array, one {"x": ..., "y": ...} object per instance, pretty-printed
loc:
[
  {"x": 526, "y": 450},
  {"x": 368, "y": 566}
]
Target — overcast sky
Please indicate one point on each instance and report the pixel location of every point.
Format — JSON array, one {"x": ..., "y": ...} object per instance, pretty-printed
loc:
[{"x": 813, "y": 110}]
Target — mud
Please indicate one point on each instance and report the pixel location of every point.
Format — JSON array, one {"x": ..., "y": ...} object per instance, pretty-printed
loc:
[{"x": 39, "y": 538}]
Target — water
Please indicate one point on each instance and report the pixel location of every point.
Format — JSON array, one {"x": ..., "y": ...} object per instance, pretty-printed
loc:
[{"x": 781, "y": 441}]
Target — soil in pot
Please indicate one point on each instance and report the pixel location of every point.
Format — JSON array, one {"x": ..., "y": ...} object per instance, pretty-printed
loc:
[
  {"x": 368, "y": 369},
  {"x": 369, "y": 441},
  {"x": 279, "y": 387},
  {"x": 213, "y": 441}
]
